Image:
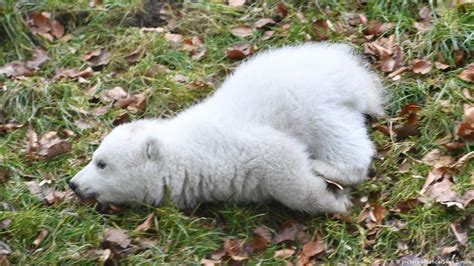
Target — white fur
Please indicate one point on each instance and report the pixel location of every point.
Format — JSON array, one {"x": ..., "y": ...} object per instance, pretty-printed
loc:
[{"x": 284, "y": 121}]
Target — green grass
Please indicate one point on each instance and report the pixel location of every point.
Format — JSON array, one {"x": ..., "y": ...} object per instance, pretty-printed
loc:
[{"x": 187, "y": 237}]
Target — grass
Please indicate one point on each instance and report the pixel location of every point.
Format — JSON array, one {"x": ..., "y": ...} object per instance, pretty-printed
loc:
[{"x": 185, "y": 238}]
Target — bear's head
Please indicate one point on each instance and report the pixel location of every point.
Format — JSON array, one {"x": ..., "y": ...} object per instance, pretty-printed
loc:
[{"x": 124, "y": 169}]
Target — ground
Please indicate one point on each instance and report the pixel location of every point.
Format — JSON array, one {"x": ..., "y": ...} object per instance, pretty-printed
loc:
[{"x": 145, "y": 59}]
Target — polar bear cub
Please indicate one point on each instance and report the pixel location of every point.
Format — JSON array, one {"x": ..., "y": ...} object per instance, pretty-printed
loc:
[{"x": 284, "y": 121}]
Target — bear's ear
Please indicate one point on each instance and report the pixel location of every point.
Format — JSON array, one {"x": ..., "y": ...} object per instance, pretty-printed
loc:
[{"x": 152, "y": 148}]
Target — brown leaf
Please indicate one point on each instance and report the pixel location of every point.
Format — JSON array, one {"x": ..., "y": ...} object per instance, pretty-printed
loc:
[
  {"x": 4, "y": 174},
  {"x": 282, "y": 9},
  {"x": 146, "y": 224},
  {"x": 240, "y": 51},
  {"x": 441, "y": 192},
  {"x": 375, "y": 28},
  {"x": 208, "y": 262},
  {"x": 436, "y": 159},
  {"x": 134, "y": 56},
  {"x": 98, "y": 57},
  {"x": 32, "y": 145},
  {"x": 118, "y": 237},
  {"x": 267, "y": 35},
  {"x": 242, "y": 31},
  {"x": 378, "y": 213},
  {"x": 116, "y": 93},
  {"x": 407, "y": 205},
  {"x": 237, "y": 249},
  {"x": 219, "y": 254},
  {"x": 236, "y": 3},
  {"x": 138, "y": 103},
  {"x": 441, "y": 66},
  {"x": 82, "y": 124},
  {"x": 157, "y": 69},
  {"x": 466, "y": 128},
  {"x": 57, "y": 30},
  {"x": 180, "y": 78},
  {"x": 425, "y": 13},
  {"x": 174, "y": 38},
  {"x": 9, "y": 127},
  {"x": 54, "y": 197},
  {"x": 467, "y": 94},
  {"x": 120, "y": 119},
  {"x": 5, "y": 224},
  {"x": 39, "y": 58},
  {"x": 15, "y": 69},
  {"x": 41, "y": 236},
  {"x": 262, "y": 239},
  {"x": 73, "y": 73},
  {"x": 50, "y": 145},
  {"x": 263, "y": 22},
  {"x": 321, "y": 29},
  {"x": 313, "y": 248},
  {"x": 468, "y": 73},
  {"x": 284, "y": 253},
  {"x": 446, "y": 251},
  {"x": 460, "y": 233},
  {"x": 421, "y": 66},
  {"x": 292, "y": 232}
]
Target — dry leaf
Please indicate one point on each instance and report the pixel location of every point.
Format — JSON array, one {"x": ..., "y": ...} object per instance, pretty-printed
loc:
[
  {"x": 50, "y": 145},
  {"x": 242, "y": 31},
  {"x": 421, "y": 66},
  {"x": 240, "y": 51},
  {"x": 282, "y": 9},
  {"x": 9, "y": 127},
  {"x": 441, "y": 66},
  {"x": 263, "y": 22},
  {"x": 407, "y": 205},
  {"x": 174, "y": 38},
  {"x": 134, "y": 56},
  {"x": 436, "y": 159},
  {"x": 146, "y": 224},
  {"x": 116, "y": 93},
  {"x": 98, "y": 57},
  {"x": 466, "y": 128},
  {"x": 4, "y": 174},
  {"x": 236, "y": 3},
  {"x": 237, "y": 249},
  {"x": 313, "y": 248},
  {"x": 375, "y": 28},
  {"x": 41, "y": 24},
  {"x": 39, "y": 58},
  {"x": 41, "y": 236},
  {"x": 118, "y": 237},
  {"x": 292, "y": 232},
  {"x": 284, "y": 253},
  {"x": 446, "y": 251},
  {"x": 468, "y": 73},
  {"x": 460, "y": 233},
  {"x": 267, "y": 35}
]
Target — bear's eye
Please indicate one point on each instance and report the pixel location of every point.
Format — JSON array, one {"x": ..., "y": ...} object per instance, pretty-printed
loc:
[{"x": 101, "y": 164}]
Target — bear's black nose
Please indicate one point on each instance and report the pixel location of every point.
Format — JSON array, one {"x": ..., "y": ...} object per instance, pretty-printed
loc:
[{"x": 73, "y": 185}]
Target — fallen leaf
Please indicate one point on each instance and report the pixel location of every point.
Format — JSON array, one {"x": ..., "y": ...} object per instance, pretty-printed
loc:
[
  {"x": 116, "y": 93},
  {"x": 73, "y": 73},
  {"x": 208, "y": 262},
  {"x": 292, "y": 232},
  {"x": 321, "y": 29},
  {"x": 240, "y": 51},
  {"x": 282, "y": 9},
  {"x": 378, "y": 213},
  {"x": 284, "y": 253},
  {"x": 39, "y": 239},
  {"x": 82, "y": 124},
  {"x": 39, "y": 58},
  {"x": 441, "y": 66},
  {"x": 267, "y": 35},
  {"x": 375, "y": 28},
  {"x": 43, "y": 25},
  {"x": 313, "y": 248},
  {"x": 98, "y": 57},
  {"x": 180, "y": 78},
  {"x": 54, "y": 197},
  {"x": 436, "y": 159},
  {"x": 237, "y": 249},
  {"x": 262, "y": 239},
  {"x": 121, "y": 119},
  {"x": 446, "y": 251},
  {"x": 407, "y": 205},
  {"x": 468, "y": 73},
  {"x": 15, "y": 69},
  {"x": 236, "y": 3},
  {"x": 263, "y": 22},
  {"x": 242, "y": 31},
  {"x": 459, "y": 233},
  {"x": 466, "y": 128},
  {"x": 4, "y": 250},
  {"x": 9, "y": 127},
  {"x": 5, "y": 224},
  {"x": 421, "y": 66},
  {"x": 134, "y": 56},
  {"x": 50, "y": 145},
  {"x": 425, "y": 13},
  {"x": 118, "y": 237},
  {"x": 156, "y": 69},
  {"x": 174, "y": 38},
  {"x": 146, "y": 225}
]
